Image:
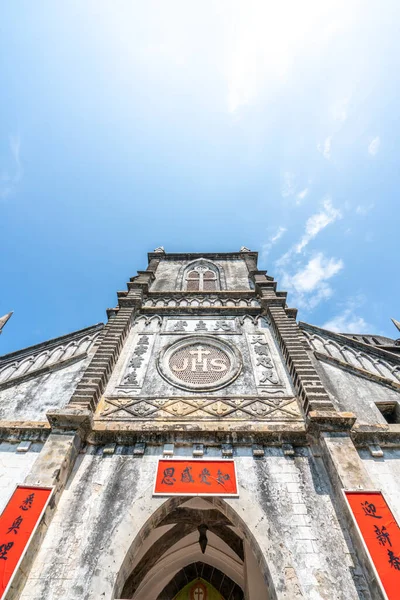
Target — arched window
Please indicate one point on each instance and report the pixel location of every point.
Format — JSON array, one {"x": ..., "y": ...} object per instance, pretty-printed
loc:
[{"x": 201, "y": 279}]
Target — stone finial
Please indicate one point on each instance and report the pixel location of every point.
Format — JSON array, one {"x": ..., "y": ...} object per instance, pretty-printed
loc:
[
  {"x": 160, "y": 249},
  {"x": 3, "y": 320},
  {"x": 396, "y": 324},
  {"x": 244, "y": 249}
]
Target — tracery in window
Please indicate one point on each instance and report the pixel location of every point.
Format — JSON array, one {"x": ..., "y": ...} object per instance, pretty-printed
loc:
[
  {"x": 193, "y": 281},
  {"x": 202, "y": 278}
]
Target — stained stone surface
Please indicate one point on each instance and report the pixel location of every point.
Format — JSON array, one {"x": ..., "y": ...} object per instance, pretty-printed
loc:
[
  {"x": 262, "y": 371},
  {"x": 30, "y": 399},
  {"x": 286, "y": 504},
  {"x": 13, "y": 468},
  {"x": 169, "y": 275}
]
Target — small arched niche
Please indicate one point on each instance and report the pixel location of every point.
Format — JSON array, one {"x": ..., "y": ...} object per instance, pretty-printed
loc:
[{"x": 167, "y": 555}]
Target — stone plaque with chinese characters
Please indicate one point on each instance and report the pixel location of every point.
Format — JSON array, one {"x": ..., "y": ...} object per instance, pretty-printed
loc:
[
  {"x": 204, "y": 324},
  {"x": 195, "y": 478}
]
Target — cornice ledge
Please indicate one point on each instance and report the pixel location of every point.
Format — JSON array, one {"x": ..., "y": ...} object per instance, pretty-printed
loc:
[
  {"x": 195, "y": 255},
  {"x": 14, "y": 431},
  {"x": 329, "y": 420},
  {"x": 70, "y": 419},
  {"x": 179, "y": 293},
  {"x": 130, "y": 301},
  {"x": 382, "y": 434},
  {"x": 186, "y": 310},
  {"x": 212, "y": 432}
]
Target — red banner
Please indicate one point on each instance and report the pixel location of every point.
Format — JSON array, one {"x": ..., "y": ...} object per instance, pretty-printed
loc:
[
  {"x": 17, "y": 523},
  {"x": 196, "y": 477},
  {"x": 381, "y": 535}
]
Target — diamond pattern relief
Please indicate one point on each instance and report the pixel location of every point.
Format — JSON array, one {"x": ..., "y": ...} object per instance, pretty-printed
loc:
[
  {"x": 180, "y": 409},
  {"x": 211, "y": 408},
  {"x": 219, "y": 408}
]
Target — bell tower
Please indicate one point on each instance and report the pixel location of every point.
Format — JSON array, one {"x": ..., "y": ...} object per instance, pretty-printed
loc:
[
  {"x": 208, "y": 347},
  {"x": 202, "y": 342}
]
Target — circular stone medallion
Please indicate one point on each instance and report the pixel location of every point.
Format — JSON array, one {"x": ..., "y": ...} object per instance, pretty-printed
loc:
[{"x": 199, "y": 363}]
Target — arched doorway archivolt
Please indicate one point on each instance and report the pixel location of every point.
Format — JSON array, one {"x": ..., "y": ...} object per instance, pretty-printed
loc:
[
  {"x": 201, "y": 571},
  {"x": 168, "y": 543}
]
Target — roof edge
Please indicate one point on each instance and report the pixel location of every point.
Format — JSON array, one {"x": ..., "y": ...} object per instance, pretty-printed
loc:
[
  {"x": 196, "y": 255},
  {"x": 52, "y": 341},
  {"x": 342, "y": 338}
]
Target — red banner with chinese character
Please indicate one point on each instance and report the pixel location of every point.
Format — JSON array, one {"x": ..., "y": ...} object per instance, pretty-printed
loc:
[
  {"x": 196, "y": 477},
  {"x": 381, "y": 535},
  {"x": 17, "y": 523}
]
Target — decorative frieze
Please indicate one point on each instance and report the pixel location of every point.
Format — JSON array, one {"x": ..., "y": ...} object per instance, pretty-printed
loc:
[
  {"x": 203, "y": 300},
  {"x": 276, "y": 408}
]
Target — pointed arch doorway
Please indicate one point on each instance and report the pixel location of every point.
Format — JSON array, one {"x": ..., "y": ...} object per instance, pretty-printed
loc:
[
  {"x": 209, "y": 584},
  {"x": 166, "y": 561}
]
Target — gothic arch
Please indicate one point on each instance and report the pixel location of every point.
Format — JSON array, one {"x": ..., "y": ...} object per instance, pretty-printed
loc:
[
  {"x": 168, "y": 543},
  {"x": 197, "y": 266},
  {"x": 200, "y": 570}
]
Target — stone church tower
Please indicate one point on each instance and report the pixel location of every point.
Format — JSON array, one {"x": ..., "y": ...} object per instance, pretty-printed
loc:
[{"x": 202, "y": 445}]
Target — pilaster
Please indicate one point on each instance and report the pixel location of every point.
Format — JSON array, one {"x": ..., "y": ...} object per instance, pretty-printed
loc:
[
  {"x": 347, "y": 472},
  {"x": 51, "y": 469}
]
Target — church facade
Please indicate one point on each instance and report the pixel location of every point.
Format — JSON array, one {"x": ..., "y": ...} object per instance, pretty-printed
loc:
[{"x": 201, "y": 445}]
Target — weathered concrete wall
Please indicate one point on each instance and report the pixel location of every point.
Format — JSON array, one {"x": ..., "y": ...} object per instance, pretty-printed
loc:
[
  {"x": 168, "y": 274},
  {"x": 285, "y": 502},
  {"x": 385, "y": 475},
  {"x": 152, "y": 384},
  {"x": 29, "y": 400},
  {"x": 14, "y": 467},
  {"x": 355, "y": 394}
]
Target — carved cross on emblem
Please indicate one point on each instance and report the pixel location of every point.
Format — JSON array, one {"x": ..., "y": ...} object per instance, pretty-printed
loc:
[{"x": 199, "y": 362}]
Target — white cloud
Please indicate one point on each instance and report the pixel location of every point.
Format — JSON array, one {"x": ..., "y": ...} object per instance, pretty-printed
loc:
[
  {"x": 308, "y": 284},
  {"x": 314, "y": 225},
  {"x": 301, "y": 195},
  {"x": 318, "y": 269},
  {"x": 349, "y": 320},
  {"x": 9, "y": 180},
  {"x": 346, "y": 322},
  {"x": 288, "y": 185},
  {"x": 373, "y": 147},
  {"x": 317, "y": 222},
  {"x": 272, "y": 240},
  {"x": 363, "y": 209},
  {"x": 325, "y": 148}
]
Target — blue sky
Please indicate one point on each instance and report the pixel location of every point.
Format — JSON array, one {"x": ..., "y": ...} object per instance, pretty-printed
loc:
[{"x": 199, "y": 126}]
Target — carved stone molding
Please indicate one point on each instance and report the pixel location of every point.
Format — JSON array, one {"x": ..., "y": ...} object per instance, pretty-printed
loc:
[
  {"x": 279, "y": 408},
  {"x": 201, "y": 300}
]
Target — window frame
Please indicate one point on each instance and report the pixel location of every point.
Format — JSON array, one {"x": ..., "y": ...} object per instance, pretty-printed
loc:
[{"x": 201, "y": 271}]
